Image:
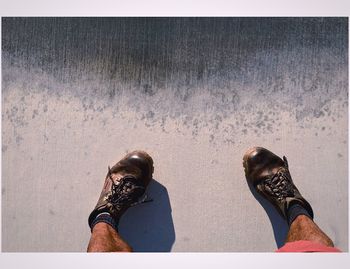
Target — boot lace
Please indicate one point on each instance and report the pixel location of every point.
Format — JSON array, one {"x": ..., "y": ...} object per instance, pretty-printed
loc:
[
  {"x": 127, "y": 192},
  {"x": 280, "y": 185}
]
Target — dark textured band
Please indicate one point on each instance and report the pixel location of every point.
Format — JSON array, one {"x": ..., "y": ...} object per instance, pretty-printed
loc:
[
  {"x": 296, "y": 210},
  {"x": 106, "y": 218}
]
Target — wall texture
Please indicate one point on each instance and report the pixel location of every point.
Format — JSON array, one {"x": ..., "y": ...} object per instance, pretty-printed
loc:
[{"x": 78, "y": 93}]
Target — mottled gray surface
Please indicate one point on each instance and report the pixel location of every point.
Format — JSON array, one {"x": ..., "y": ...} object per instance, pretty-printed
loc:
[{"x": 193, "y": 92}]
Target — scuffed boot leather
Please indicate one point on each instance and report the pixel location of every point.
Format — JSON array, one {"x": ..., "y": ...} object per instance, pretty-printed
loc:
[
  {"x": 270, "y": 177},
  {"x": 125, "y": 185}
]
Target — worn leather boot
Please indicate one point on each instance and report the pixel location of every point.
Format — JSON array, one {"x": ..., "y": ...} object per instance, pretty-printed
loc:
[
  {"x": 270, "y": 177},
  {"x": 125, "y": 185}
]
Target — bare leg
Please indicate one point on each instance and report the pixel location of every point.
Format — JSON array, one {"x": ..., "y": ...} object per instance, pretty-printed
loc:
[
  {"x": 303, "y": 228},
  {"x": 105, "y": 239}
]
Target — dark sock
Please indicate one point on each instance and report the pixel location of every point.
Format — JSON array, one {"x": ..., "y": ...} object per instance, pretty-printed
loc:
[
  {"x": 294, "y": 211},
  {"x": 106, "y": 218}
]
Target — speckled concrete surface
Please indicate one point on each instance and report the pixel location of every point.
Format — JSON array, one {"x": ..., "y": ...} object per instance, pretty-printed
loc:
[{"x": 195, "y": 93}]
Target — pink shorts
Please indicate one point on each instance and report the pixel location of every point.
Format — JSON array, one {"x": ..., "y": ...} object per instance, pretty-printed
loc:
[{"x": 306, "y": 246}]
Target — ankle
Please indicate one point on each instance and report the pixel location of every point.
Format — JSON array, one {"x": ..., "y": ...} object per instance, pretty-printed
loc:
[
  {"x": 296, "y": 210},
  {"x": 105, "y": 238},
  {"x": 301, "y": 220},
  {"x": 102, "y": 227},
  {"x": 106, "y": 219}
]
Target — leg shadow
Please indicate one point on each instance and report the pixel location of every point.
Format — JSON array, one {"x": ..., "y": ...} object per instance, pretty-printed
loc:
[
  {"x": 149, "y": 227},
  {"x": 279, "y": 225}
]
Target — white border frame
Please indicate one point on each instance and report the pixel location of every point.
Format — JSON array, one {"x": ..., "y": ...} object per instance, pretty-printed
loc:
[{"x": 181, "y": 8}]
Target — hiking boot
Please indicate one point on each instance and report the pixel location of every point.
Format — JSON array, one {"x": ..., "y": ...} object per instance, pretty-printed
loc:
[
  {"x": 270, "y": 177},
  {"x": 125, "y": 185}
]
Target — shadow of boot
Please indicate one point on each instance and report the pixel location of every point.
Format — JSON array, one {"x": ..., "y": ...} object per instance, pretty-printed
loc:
[
  {"x": 149, "y": 227},
  {"x": 279, "y": 225}
]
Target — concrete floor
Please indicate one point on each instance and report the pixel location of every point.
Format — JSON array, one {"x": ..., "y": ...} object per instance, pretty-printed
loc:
[{"x": 77, "y": 94}]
